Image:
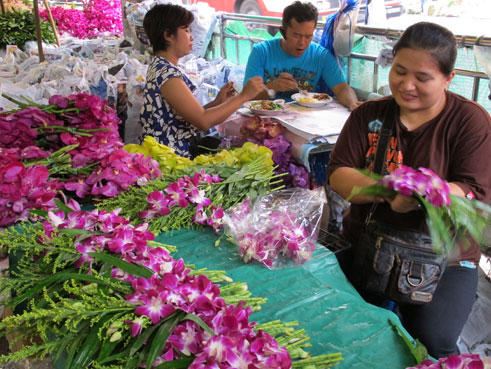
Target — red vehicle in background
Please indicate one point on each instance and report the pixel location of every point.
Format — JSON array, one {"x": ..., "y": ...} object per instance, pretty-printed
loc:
[{"x": 274, "y": 8}]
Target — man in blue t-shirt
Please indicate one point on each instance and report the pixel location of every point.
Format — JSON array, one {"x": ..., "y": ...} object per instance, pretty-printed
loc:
[{"x": 293, "y": 62}]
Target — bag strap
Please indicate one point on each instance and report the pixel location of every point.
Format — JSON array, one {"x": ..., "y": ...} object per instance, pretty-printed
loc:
[
  {"x": 382, "y": 146},
  {"x": 384, "y": 137}
]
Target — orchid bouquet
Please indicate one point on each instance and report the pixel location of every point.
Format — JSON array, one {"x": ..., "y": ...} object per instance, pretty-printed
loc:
[
  {"x": 448, "y": 217},
  {"x": 101, "y": 293},
  {"x": 463, "y": 361},
  {"x": 76, "y": 140},
  {"x": 278, "y": 227}
]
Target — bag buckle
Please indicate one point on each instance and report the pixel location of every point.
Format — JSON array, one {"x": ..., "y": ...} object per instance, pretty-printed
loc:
[{"x": 410, "y": 277}]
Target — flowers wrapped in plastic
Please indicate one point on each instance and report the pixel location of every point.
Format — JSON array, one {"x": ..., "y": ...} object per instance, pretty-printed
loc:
[
  {"x": 449, "y": 218},
  {"x": 277, "y": 227}
]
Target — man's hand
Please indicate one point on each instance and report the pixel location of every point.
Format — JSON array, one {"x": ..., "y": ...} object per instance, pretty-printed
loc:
[
  {"x": 284, "y": 82},
  {"x": 354, "y": 105}
]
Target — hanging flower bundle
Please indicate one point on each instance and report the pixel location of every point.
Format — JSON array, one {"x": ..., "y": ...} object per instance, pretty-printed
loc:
[
  {"x": 75, "y": 139},
  {"x": 449, "y": 218}
]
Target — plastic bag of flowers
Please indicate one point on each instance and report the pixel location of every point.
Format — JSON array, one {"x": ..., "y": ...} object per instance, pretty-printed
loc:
[{"x": 276, "y": 228}]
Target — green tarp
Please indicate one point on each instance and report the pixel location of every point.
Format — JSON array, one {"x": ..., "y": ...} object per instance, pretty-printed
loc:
[{"x": 316, "y": 294}]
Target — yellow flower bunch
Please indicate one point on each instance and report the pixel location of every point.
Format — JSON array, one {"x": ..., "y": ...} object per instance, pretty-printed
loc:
[
  {"x": 238, "y": 157},
  {"x": 169, "y": 161}
]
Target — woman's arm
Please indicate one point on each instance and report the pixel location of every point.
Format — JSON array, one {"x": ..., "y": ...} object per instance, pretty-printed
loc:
[
  {"x": 180, "y": 97},
  {"x": 344, "y": 179}
]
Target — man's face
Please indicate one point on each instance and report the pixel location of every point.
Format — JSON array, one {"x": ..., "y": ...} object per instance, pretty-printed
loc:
[{"x": 298, "y": 37}]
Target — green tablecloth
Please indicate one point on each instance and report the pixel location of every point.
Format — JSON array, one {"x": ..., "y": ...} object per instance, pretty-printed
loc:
[{"x": 316, "y": 294}]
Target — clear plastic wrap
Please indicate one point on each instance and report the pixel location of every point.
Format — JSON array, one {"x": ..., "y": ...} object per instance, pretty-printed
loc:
[{"x": 277, "y": 227}]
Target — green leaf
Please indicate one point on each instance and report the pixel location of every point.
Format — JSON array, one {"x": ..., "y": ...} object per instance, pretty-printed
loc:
[
  {"x": 73, "y": 349},
  {"x": 90, "y": 346},
  {"x": 58, "y": 277},
  {"x": 106, "y": 350},
  {"x": 176, "y": 364},
  {"x": 162, "y": 335},
  {"x": 75, "y": 232},
  {"x": 39, "y": 212},
  {"x": 133, "y": 269},
  {"x": 33, "y": 291},
  {"x": 142, "y": 338},
  {"x": 200, "y": 322},
  {"x": 63, "y": 207}
]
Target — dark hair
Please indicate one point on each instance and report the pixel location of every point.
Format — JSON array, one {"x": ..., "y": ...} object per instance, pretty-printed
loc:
[
  {"x": 301, "y": 12},
  {"x": 165, "y": 18},
  {"x": 436, "y": 40}
]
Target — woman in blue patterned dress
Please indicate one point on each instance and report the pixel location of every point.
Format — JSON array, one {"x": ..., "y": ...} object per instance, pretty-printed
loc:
[{"x": 170, "y": 112}]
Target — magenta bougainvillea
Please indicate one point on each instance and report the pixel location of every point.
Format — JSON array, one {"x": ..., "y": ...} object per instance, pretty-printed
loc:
[{"x": 97, "y": 16}]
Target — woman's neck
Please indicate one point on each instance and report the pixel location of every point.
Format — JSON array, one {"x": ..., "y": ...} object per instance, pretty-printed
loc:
[
  {"x": 413, "y": 119},
  {"x": 169, "y": 56}
]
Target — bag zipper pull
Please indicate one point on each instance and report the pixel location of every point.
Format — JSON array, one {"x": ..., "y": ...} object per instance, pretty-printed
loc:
[{"x": 378, "y": 243}]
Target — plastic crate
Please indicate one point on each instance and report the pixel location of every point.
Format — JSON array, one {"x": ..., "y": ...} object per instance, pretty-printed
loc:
[{"x": 332, "y": 241}]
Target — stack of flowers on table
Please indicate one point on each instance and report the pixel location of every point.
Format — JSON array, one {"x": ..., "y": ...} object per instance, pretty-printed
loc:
[
  {"x": 269, "y": 132},
  {"x": 72, "y": 145},
  {"x": 195, "y": 193},
  {"x": 98, "y": 292},
  {"x": 449, "y": 218}
]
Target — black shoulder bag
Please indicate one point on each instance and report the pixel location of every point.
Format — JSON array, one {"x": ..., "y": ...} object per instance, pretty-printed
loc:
[{"x": 390, "y": 262}]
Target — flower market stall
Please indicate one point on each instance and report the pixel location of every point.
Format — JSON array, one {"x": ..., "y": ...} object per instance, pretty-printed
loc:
[{"x": 130, "y": 256}]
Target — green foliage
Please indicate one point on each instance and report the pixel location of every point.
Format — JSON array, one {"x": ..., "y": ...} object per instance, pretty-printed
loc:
[{"x": 18, "y": 27}]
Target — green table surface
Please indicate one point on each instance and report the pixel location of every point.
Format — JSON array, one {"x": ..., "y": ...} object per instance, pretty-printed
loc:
[{"x": 315, "y": 294}]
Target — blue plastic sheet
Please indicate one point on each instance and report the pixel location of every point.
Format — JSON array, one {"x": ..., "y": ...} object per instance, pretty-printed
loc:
[{"x": 316, "y": 294}]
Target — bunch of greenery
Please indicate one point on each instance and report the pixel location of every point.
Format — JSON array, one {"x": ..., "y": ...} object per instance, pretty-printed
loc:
[{"x": 18, "y": 27}]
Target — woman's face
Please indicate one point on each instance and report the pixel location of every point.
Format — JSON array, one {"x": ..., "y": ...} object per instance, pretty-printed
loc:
[
  {"x": 416, "y": 82},
  {"x": 182, "y": 41}
]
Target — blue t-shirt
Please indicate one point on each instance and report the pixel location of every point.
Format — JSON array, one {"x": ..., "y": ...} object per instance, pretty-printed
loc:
[
  {"x": 268, "y": 60},
  {"x": 157, "y": 117}
]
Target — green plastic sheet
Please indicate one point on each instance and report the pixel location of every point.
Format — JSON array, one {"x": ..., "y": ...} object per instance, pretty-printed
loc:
[{"x": 316, "y": 294}]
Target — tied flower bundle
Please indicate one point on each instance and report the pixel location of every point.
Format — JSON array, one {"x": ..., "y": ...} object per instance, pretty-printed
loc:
[
  {"x": 182, "y": 193},
  {"x": 449, "y": 218},
  {"x": 100, "y": 291},
  {"x": 76, "y": 140},
  {"x": 463, "y": 361},
  {"x": 278, "y": 227},
  {"x": 194, "y": 196},
  {"x": 268, "y": 132}
]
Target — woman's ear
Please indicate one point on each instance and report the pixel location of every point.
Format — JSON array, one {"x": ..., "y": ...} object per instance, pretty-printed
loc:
[
  {"x": 167, "y": 35},
  {"x": 449, "y": 79}
]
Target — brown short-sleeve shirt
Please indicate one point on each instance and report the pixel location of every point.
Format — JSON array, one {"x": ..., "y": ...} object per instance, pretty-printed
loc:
[{"x": 456, "y": 145}]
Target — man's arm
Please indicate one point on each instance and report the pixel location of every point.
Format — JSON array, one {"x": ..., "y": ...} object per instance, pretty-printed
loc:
[{"x": 346, "y": 95}]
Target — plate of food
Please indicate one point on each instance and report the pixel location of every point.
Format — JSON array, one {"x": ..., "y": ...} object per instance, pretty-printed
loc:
[
  {"x": 267, "y": 107},
  {"x": 312, "y": 99}
]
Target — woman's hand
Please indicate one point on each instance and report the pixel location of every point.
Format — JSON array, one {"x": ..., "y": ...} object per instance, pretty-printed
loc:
[
  {"x": 403, "y": 204},
  {"x": 225, "y": 93},
  {"x": 252, "y": 88}
]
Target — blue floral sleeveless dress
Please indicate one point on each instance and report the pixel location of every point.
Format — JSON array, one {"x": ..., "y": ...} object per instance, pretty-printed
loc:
[{"x": 157, "y": 117}]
